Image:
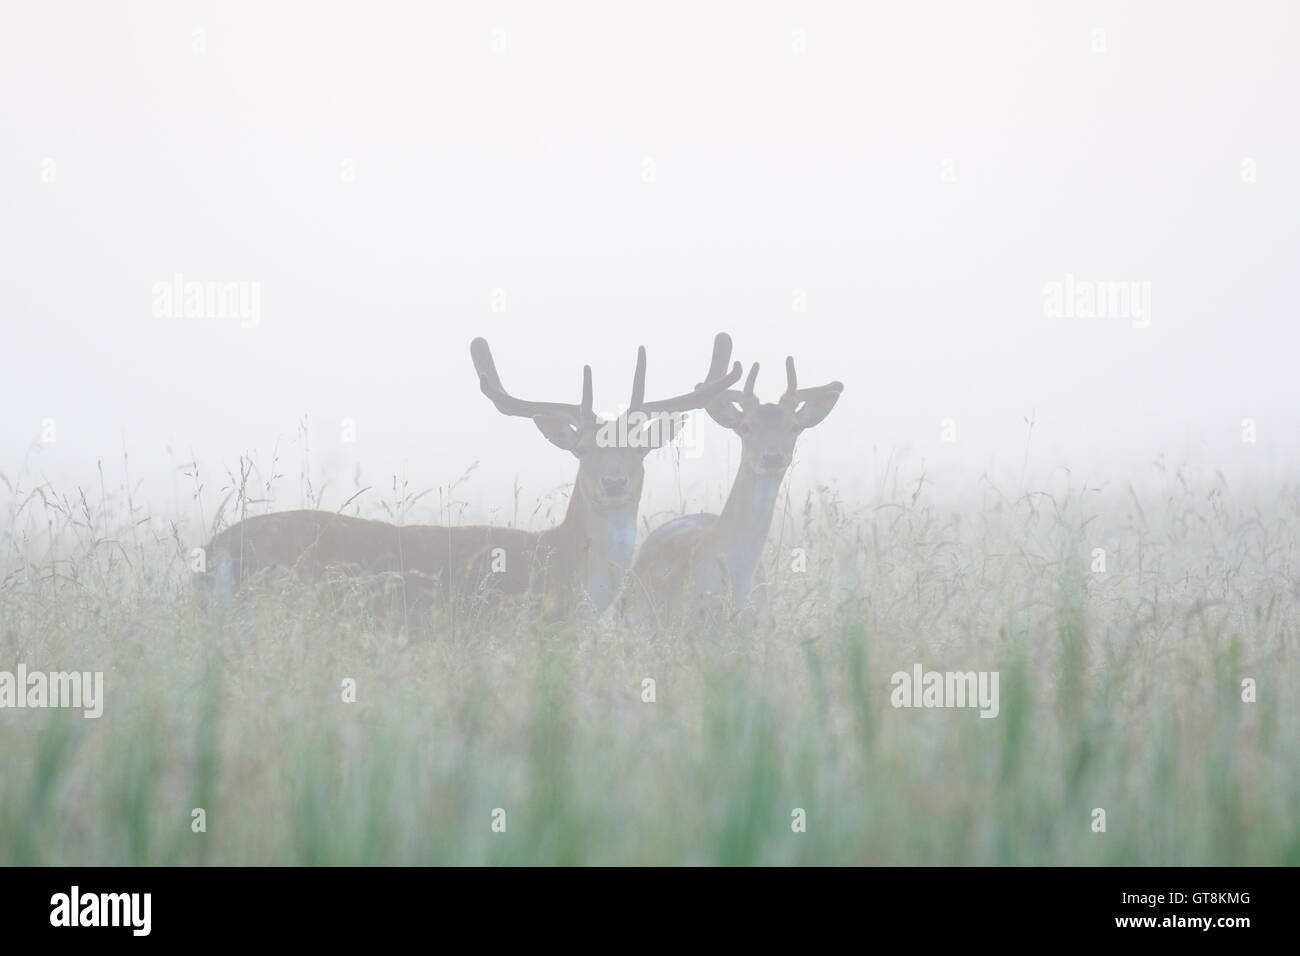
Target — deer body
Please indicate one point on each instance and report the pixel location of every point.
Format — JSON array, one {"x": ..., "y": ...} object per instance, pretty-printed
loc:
[
  {"x": 583, "y": 559},
  {"x": 721, "y": 552},
  {"x": 704, "y": 568},
  {"x": 584, "y": 555}
]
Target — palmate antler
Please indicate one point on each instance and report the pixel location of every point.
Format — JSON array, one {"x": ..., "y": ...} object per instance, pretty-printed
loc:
[
  {"x": 490, "y": 383},
  {"x": 794, "y": 395}
]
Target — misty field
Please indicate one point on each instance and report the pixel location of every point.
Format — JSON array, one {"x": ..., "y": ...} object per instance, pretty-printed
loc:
[{"x": 1120, "y": 689}]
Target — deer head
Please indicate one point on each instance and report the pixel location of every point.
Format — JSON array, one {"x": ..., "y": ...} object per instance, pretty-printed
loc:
[
  {"x": 610, "y": 453},
  {"x": 768, "y": 432}
]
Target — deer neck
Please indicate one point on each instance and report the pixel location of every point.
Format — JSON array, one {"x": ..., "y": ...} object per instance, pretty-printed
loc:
[
  {"x": 741, "y": 529},
  {"x": 599, "y": 543}
]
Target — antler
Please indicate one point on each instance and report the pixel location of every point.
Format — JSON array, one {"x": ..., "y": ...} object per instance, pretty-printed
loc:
[
  {"x": 715, "y": 382},
  {"x": 745, "y": 399},
  {"x": 794, "y": 394},
  {"x": 490, "y": 383}
]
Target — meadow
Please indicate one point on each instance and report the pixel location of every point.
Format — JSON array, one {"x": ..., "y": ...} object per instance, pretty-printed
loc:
[{"x": 502, "y": 740}]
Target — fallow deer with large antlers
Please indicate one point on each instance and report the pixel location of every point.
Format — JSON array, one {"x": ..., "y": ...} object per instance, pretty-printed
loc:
[
  {"x": 703, "y": 567},
  {"x": 585, "y": 557}
]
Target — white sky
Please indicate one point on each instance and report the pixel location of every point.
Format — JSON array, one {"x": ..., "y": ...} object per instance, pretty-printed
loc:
[{"x": 523, "y": 170}]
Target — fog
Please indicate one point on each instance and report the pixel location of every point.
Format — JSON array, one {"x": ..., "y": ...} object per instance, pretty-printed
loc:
[{"x": 890, "y": 193}]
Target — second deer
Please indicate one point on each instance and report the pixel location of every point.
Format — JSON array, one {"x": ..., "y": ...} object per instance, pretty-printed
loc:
[{"x": 703, "y": 568}]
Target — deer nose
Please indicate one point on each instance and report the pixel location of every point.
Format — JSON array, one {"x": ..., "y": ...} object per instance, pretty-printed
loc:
[
  {"x": 614, "y": 485},
  {"x": 773, "y": 459}
]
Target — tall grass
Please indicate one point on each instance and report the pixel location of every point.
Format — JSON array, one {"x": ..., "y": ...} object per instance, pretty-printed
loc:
[{"x": 1119, "y": 690}]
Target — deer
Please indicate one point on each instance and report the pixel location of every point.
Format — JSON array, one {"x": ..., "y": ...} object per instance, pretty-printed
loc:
[
  {"x": 704, "y": 568},
  {"x": 582, "y": 561}
]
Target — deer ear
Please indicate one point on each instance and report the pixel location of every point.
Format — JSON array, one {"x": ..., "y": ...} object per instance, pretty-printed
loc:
[
  {"x": 816, "y": 408},
  {"x": 559, "y": 430},
  {"x": 725, "y": 412}
]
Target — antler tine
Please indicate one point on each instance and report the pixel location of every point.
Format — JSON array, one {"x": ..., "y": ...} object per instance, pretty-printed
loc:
[
  {"x": 585, "y": 411},
  {"x": 791, "y": 382},
  {"x": 747, "y": 396},
  {"x": 828, "y": 387},
  {"x": 721, "y": 356},
  {"x": 638, "y": 381},
  {"x": 710, "y": 388},
  {"x": 490, "y": 384},
  {"x": 806, "y": 393},
  {"x": 481, "y": 355}
]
